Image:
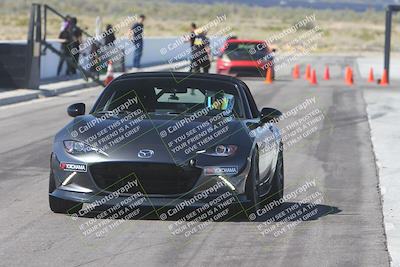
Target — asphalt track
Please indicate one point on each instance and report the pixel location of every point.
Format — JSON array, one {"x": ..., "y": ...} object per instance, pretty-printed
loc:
[{"x": 347, "y": 229}]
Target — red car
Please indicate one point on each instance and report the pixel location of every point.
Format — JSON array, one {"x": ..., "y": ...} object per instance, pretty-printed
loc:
[{"x": 245, "y": 58}]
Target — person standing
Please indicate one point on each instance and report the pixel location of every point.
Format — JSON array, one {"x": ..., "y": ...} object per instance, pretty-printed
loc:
[
  {"x": 137, "y": 39},
  {"x": 76, "y": 34},
  {"x": 201, "y": 52},
  {"x": 109, "y": 35},
  {"x": 191, "y": 38},
  {"x": 65, "y": 36}
]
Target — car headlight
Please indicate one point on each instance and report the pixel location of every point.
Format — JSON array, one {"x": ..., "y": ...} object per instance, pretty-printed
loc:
[
  {"x": 221, "y": 150},
  {"x": 77, "y": 147}
]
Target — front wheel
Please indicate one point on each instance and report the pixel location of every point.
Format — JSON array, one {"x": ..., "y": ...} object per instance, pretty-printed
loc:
[
  {"x": 251, "y": 184},
  {"x": 276, "y": 192}
]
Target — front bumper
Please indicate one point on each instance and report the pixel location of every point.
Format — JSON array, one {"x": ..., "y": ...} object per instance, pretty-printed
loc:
[
  {"x": 238, "y": 68},
  {"x": 149, "y": 201},
  {"x": 82, "y": 187}
]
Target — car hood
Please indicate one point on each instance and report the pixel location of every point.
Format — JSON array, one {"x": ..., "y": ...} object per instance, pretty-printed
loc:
[{"x": 172, "y": 140}]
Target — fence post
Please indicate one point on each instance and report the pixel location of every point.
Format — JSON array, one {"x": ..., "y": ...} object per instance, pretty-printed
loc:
[
  {"x": 388, "y": 33},
  {"x": 34, "y": 48}
]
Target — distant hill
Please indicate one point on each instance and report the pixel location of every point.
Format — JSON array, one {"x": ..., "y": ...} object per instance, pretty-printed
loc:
[
  {"x": 358, "y": 5},
  {"x": 344, "y": 29}
]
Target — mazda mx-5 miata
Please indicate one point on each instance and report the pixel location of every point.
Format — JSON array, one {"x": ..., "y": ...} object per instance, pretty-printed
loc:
[{"x": 169, "y": 137}]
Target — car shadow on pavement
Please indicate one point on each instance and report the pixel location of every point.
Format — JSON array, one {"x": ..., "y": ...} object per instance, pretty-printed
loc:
[{"x": 286, "y": 212}]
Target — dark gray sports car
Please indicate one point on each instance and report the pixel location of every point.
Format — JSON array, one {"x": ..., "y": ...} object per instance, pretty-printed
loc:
[{"x": 167, "y": 137}]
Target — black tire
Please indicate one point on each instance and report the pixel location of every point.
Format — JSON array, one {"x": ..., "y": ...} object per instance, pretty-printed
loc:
[
  {"x": 58, "y": 205},
  {"x": 276, "y": 192},
  {"x": 251, "y": 184}
]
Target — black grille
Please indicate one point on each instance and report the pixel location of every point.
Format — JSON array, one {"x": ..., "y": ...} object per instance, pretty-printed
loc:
[
  {"x": 165, "y": 179},
  {"x": 252, "y": 71}
]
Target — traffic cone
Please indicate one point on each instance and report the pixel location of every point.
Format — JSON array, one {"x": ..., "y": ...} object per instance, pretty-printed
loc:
[
  {"x": 347, "y": 74},
  {"x": 371, "y": 75},
  {"x": 326, "y": 74},
  {"x": 296, "y": 72},
  {"x": 384, "y": 80},
  {"x": 350, "y": 80},
  {"x": 313, "y": 79},
  {"x": 268, "y": 77},
  {"x": 308, "y": 72},
  {"x": 110, "y": 73}
]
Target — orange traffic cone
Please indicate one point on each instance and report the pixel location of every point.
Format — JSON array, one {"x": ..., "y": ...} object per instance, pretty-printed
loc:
[
  {"x": 350, "y": 80},
  {"x": 313, "y": 79},
  {"x": 110, "y": 73},
  {"x": 384, "y": 80},
  {"x": 327, "y": 76},
  {"x": 268, "y": 77},
  {"x": 296, "y": 72},
  {"x": 347, "y": 74},
  {"x": 308, "y": 72},
  {"x": 371, "y": 75}
]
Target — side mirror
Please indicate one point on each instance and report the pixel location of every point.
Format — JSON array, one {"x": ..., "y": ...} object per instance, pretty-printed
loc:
[
  {"x": 269, "y": 114},
  {"x": 76, "y": 109}
]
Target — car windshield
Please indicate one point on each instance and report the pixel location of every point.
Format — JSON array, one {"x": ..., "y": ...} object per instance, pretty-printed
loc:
[
  {"x": 242, "y": 51},
  {"x": 165, "y": 96}
]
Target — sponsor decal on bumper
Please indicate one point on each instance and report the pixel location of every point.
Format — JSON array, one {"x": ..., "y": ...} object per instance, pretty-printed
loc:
[
  {"x": 73, "y": 167},
  {"x": 220, "y": 170}
]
